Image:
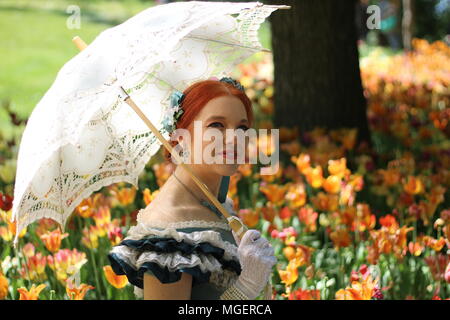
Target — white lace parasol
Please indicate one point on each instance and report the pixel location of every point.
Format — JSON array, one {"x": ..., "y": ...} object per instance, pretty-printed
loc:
[{"x": 81, "y": 136}]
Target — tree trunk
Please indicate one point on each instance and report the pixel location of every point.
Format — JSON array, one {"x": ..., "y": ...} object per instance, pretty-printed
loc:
[
  {"x": 317, "y": 80},
  {"x": 407, "y": 20}
]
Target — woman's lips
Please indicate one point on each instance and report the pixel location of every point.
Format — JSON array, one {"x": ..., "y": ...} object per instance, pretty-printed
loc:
[{"x": 230, "y": 154}]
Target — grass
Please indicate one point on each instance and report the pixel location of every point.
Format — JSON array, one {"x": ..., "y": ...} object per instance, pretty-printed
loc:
[{"x": 36, "y": 43}]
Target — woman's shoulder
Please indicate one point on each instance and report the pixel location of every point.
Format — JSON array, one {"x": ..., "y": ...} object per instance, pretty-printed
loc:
[
  {"x": 161, "y": 212},
  {"x": 165, "y": 216}
]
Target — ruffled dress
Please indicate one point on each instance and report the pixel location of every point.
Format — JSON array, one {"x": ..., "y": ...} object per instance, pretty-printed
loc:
[{"x": 205, "y": 249}]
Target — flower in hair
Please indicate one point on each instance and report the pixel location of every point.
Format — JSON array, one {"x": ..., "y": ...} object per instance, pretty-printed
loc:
[
  {"x": 174, "y": 113},
  {"x": 176, "y": 99},
  {"x": 234, "y": 82}
]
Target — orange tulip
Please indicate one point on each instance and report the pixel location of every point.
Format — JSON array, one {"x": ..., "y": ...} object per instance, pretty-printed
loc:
[
  {"x": 415, "y": 248},
  {"x": 149, "y": 196},
  {"x": 338, "y": 168},
  {"x": 8, "y": 232},
  {"x": 285, "y": 214},
  {"x": 88, "y": 206},
  {"x": 268, "y": 212},
  {"x": 363, "y": 290},
  {"x": 52, "y": 240},
  {"x": 102, "y": 219},
  {"x": 390, "y": 177},
  {"x": 389, "y": 221},
  {"x": 117, "y": 281},
  {"x": 35, "y": 268},
  {"x": 3, "y": 286},
  {"x": 66, "y": 263},
  {"x": 77, "y": 292},
  {"x": 303, "y": 254},
  {"x": 434, "y": 244},
  {"x": 290, "y": 275},
  {"x": 125, "y": 196},
  {"x": 413, "y": 185},
  {"x": 301, "y": 294},
  {"x": 249, "y": 217},
  {"x": 45, "y": 225},
  {"x": 308, "y": 217},
  {"x": 274, "y": 193},
  {"x": 33, "y": 294},
  {"x": 340, "y": 238},
  {"x": 314, "y": 176},
  {"x": 296, "y": 195},
  {"x": 332, "y": 184},
  {"x": 303, "y": 162},
  {"x": 325, "y": 202},
  {"x": 289, "y": 252}
]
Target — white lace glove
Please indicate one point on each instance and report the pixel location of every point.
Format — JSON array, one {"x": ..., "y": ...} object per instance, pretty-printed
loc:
[{"x": 256, "y": 256}]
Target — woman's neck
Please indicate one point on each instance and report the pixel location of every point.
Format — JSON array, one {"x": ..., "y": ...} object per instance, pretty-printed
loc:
[{"x": 211, "y": 180}]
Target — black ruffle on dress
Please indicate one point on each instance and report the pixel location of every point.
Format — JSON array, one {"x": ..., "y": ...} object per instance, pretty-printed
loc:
[{"x": 205, "y": 249}]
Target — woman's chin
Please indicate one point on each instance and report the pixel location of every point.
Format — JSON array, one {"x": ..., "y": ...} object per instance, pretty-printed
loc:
[{"x": 226, "y": 169}]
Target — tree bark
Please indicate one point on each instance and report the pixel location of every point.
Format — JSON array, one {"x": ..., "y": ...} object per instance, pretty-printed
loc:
[
  {"x": 407, "y": 21},
  {"x": 317, "y": 79}
]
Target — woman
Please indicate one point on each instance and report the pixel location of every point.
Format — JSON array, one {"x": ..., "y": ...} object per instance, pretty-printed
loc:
[{"x": 182, "y": 247}]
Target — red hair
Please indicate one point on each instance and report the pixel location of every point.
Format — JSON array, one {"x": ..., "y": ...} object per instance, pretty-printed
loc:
[{"x": 198, "y": 94}]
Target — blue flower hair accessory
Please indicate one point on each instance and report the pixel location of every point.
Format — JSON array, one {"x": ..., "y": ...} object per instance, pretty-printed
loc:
[
  {"x": 234, "y": 82},
  {"x": 174, "y": 113}
]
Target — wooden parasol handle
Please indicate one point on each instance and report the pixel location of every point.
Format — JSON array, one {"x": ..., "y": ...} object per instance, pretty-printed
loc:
[{"x": 235, "y": 223}]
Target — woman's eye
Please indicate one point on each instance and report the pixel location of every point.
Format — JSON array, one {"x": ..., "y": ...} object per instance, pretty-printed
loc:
[
  {"x": 215, "y": 125},
  {"x": 243, "y": 127}
]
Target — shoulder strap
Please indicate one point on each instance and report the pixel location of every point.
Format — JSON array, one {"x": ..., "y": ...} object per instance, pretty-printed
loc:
[{"x": 223, "y": 190}]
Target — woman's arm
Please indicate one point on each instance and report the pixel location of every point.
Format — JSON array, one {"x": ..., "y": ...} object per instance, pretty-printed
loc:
[{"x": 155, "y": 290}]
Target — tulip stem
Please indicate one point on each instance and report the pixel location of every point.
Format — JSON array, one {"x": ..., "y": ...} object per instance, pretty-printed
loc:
[{"x": 95, "y": 273}]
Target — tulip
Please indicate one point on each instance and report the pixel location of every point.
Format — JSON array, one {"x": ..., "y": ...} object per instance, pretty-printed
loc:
[
  {"x": 332, "y": 184},
  {"x": 117, "y": 281},
  {"x": 33, "y": 294},
  {"x": 77, "y": 292},
  {"x": 52, "y": 240},
  {"x": 3, "y": 286}
]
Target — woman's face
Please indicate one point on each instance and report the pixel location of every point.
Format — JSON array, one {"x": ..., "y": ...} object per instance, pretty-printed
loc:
[{"x": 218, "y": 115}]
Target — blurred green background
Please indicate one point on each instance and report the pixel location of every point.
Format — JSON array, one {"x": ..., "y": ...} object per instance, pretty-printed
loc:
[{"x": 40, "y": 45}]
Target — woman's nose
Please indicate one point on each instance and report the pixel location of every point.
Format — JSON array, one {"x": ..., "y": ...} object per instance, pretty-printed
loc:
[{"x": 230, "y": 137}]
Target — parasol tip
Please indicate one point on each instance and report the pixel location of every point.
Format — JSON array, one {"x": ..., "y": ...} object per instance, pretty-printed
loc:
[{"x": 81, "y": 45}]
